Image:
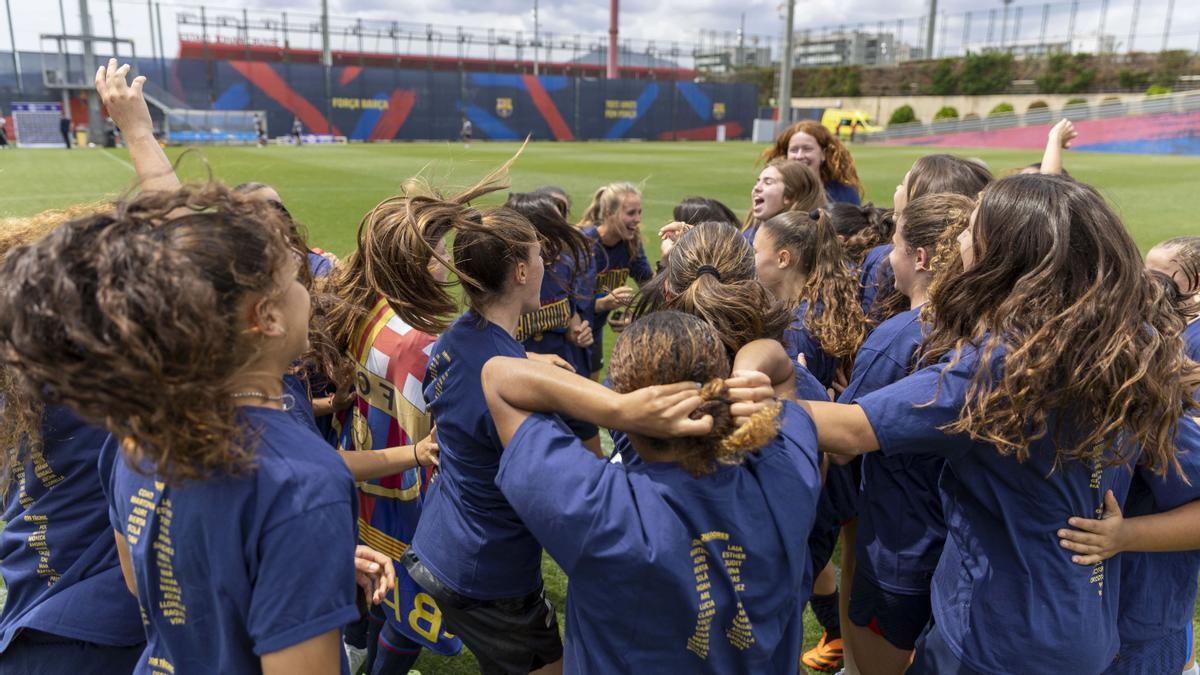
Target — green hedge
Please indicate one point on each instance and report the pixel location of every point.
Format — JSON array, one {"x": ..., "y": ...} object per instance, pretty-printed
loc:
[
  {"x": 946, "y": 113},
  {"x": 902, "y": 115}
]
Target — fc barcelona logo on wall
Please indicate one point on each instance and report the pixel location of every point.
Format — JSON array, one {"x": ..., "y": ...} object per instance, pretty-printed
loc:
[
  {"x": 718, "y": 111},
  {"x": 504, "y": 108}
]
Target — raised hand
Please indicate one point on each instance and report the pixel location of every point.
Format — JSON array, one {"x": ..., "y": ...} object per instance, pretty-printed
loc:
[{"x": 124, "y": 101}]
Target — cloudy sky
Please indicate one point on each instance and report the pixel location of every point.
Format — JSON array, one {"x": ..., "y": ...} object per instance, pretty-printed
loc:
[{"x": 663, "y": 21}]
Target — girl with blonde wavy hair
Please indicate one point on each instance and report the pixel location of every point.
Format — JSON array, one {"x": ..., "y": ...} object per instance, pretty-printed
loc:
[{"x": 613, "y": 223}]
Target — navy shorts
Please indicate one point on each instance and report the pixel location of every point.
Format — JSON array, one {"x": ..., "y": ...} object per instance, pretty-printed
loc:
[
  {"x": 836, "y": 505},
  {"x": 33, "y": 652},
  {"x": 899, "y": 619},
  {"x": 1168, "y": 654}
]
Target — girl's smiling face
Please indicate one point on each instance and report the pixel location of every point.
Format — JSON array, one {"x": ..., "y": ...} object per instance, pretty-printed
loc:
[
  {"x": 806, "y": 150},
  {"x": 628, "y": 218},
  {"x": 767, "y": 195}
]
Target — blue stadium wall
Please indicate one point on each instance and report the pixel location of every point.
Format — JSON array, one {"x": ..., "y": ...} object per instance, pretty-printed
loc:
[{"x": 371, "y": 103}]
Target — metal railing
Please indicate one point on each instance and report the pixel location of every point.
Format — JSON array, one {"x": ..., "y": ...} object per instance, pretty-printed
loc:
[{"x": 1151, "y": 105}]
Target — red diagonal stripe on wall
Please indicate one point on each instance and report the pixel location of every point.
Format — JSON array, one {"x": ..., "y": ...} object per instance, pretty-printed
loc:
[
  {"x": 264, "y": 77},
  {"x": 709, "y": 133},
  {"x": 348, "y": 74},
  {"x": 399, "y": 106},
  {"x": 549, "y": 111}
]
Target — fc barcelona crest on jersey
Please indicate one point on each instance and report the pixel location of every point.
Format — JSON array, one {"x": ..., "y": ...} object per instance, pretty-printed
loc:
[
  {"x": 718, "y": 111},
  {"x": 504, "y": 108}
]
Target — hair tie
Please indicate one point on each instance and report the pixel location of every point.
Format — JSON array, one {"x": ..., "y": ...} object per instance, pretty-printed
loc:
[
  {"x": 707, "y": 269},
  {"x": 815, "y": 214}
]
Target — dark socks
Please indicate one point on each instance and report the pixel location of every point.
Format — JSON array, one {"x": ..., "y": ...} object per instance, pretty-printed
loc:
[{"x": 825, "y": 607}]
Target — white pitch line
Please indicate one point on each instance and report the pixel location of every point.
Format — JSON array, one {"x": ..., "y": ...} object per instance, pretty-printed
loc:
[{"x": 122, "y": 162}]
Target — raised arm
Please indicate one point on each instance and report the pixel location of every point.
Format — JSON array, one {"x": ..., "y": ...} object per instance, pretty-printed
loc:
[
  {"x": 127, "y": 106},
  {"x": 516, "y": 388},
  {"x": 770, "y": 358},
  {"x": 1060, "y": 137}
]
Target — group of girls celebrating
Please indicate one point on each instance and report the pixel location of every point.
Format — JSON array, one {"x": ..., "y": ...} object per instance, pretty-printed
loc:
[{"x": 224, "y": 452}]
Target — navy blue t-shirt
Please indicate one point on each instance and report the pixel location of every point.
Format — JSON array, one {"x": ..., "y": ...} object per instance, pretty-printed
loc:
[
  {"x": 840, "y": 192},
  {"x": 231, "y": 568},
  {"x": 808, "y": 387},
  {"x": 469, "y": 537},
  {"x": 798, "y": 340},
  {"x": 612, "y": 266},
  {"x": 874, "y": 275},
  {"x": 57, "y": 553},
  {"x": 751, "y": 232},
  {"x": 900, "y": 525},
  {"x": 1005, "y": 595},
  {"x": 562, "y": 296},
  {"x": 1158, "y": 590},
  {"x": 1191, "y": 340},
  {"x": 318, "y": 265},
  {"x": 302, "y": 409},
  {"x": 672, "y": 573}
]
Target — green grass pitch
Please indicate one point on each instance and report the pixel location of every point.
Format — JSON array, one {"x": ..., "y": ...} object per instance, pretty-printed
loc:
[{"x": 328, "y": 189}]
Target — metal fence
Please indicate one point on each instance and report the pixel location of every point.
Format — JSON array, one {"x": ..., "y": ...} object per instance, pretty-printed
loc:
[{"x": 1167, "y": 103}]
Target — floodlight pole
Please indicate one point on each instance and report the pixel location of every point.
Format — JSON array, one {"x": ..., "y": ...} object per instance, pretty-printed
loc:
[
  {"x": 66, "y": 97},
  {"x": 327, "y": 63},
  {"x": 929, "y": 29},
  {"x": 784, "y": 104},
  {"x": 150, "y": 14},
  {"x": 613, "y": 13},
  {"x": 95, "y": 124},
  {"x": 536, "y": 42},
  {"x": 16, "y": 57},
  {"x": 112, "y": 22},
  {"x": 162, "y": 51}
]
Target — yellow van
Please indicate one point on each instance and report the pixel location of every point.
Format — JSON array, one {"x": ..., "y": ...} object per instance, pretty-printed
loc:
[{"x": 848, "y": 123}]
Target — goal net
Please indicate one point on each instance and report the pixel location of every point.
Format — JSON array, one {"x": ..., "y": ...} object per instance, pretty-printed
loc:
[{"x": 36, "y": 125}]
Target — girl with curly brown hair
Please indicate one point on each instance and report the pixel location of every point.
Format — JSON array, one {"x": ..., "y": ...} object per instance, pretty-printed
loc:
[
  {"x": 1064, "y": 365},
  {"x": 1155, "y": 530},
  {"x": 811, "y": 144},
  {"x": 708, "y": 534},
  {"x": 172, "y": 321},
  {"x": 56, "y": 548}
]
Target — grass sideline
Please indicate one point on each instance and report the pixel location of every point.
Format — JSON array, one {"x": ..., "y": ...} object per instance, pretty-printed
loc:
[{"x": 328, "y": 189}]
